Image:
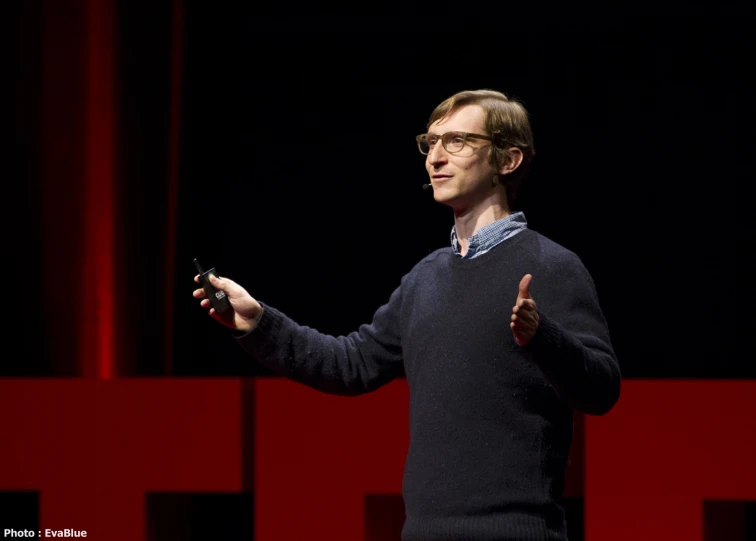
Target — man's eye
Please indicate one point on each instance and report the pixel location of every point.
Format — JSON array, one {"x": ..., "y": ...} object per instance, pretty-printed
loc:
[{"x": 458, "y": 140}]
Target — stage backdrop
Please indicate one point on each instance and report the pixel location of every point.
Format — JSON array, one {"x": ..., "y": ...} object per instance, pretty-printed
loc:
[{"x": 280, "y": 149}]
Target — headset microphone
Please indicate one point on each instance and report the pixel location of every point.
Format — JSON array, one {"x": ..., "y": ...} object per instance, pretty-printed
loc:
[{"x": 426, "y": 186}]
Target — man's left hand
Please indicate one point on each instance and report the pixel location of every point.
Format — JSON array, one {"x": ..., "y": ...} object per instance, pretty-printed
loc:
[{"x": 524, "y": 314}]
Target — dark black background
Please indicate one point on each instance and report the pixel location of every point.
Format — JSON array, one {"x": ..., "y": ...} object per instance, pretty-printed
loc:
[{"x": 300, "y": 178}]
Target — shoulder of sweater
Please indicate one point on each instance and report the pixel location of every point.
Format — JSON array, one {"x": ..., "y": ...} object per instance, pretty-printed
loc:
[
  {"x": 547, "y": 251},
  {"x": 431, "y": 258}
]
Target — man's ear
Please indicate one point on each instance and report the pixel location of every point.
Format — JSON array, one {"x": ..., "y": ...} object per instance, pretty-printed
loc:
[{"x": 514, "y": 161}]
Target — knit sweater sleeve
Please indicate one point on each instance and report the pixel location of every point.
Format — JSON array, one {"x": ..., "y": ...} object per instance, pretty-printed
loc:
[
  {"x": 348, "y": 365},
  {"x": 572, "y": 344}
]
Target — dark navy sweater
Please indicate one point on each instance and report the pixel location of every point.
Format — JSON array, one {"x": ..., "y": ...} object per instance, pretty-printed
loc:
[{"x": 490, "y": 421}]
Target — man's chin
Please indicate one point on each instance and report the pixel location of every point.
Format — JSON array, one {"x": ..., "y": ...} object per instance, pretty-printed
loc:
[
  {"x": 442, "y": 198},
  {"x": 445, "y": 197},
  {"x": 457, "y": 202},
  {"x": 450, "y": 201}
]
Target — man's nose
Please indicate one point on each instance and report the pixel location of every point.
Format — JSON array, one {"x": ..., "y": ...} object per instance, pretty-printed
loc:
[{"x": 437, "y": 154}]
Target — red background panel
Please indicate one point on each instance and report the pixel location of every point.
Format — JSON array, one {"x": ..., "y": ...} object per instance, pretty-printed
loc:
[
  {"x": 93, "y": 449},
  {"x": 667, "y": 446},
  {"x": 318, "y": 455}
]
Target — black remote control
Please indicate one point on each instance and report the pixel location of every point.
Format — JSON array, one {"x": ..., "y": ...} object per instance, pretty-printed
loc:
[{"x": 217, "y": 298}]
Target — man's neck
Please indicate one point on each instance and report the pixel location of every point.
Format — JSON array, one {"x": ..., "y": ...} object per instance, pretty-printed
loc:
[{"x": 469, "y": 222}]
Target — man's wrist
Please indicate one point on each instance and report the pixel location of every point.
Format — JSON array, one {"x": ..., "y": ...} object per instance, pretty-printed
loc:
[{"x": 258, "y": 318}]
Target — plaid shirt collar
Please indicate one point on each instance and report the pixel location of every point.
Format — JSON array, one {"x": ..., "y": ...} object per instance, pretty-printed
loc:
[{"x": 486, "y": 238}]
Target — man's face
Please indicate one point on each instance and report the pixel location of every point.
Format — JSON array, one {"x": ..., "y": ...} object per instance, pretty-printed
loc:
[{"x": 462, "y": 179}]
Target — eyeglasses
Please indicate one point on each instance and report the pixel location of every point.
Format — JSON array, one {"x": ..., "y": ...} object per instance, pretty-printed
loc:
[{"x": 452, "y": 141}]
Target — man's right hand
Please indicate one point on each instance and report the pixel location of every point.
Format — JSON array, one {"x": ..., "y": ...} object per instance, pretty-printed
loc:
[{"x": 245, "y": 312}]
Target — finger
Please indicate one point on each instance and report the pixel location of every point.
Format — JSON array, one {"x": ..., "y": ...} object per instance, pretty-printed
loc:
[
  {"x": 524, "y": 292},
  {"x": 231, "y": 288},
  {"x": 198, "y": 293},
  {"x": 219, "y": 283},
  {"x": 523, "y": 319},
  {"x": 516, "y": 335},
  {"x": 516, "y": 308},
  {"x": 205, "y": 303},
  {"x": 196, "y": 279},
  {"x": 526, "y": 304}
]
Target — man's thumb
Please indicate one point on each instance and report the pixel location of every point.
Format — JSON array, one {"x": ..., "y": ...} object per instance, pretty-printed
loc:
[{"x": 525, "y": 287}]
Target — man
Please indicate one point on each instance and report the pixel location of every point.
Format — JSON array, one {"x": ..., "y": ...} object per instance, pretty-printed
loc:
[{"x": 500, "y": 337}]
